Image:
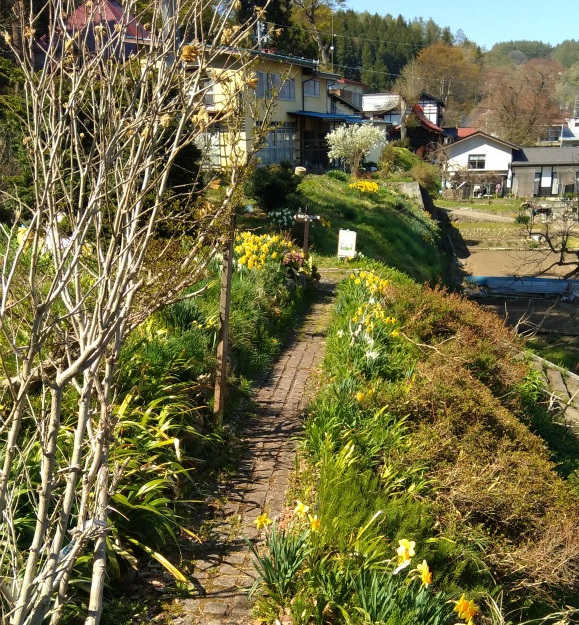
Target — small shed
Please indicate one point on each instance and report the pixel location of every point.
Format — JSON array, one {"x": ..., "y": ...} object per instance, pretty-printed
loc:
[{"x": 545, "y": 171}]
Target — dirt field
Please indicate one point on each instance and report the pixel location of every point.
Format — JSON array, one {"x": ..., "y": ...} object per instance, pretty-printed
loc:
[
  {"x": 531, "y": 316},
  {"x": 512, "y": 263}
]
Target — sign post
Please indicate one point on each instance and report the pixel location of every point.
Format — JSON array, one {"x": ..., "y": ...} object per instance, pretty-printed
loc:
[
  {"x": 306, "y": 220},
  {"x": 223, "y": 329},
  {"x": 347, "y": 244}
]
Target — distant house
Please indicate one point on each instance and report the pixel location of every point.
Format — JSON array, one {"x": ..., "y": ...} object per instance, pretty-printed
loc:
[
  {"x": 544, "y": 171},
  {"x": 478, "y": 162},
  {"x": 563, "y": 133},
  {"x": 346, "y": 96},
  {"x": 424, "y": 119},
  {"x": 570, "y": 132},
  {"x": 455, "y": 134},
  {"x": 98, "y": 22}
]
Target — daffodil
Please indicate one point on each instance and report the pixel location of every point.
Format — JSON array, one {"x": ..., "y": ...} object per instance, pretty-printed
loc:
[
  {"x": 359, "y": 396},
  {"x": 301, "y": 509},
  {"x": 262, "y": 521},
  {"x": 466, "y": 609},
  {"x": 405, "y": 553},
  {"x": 314, "y": 523},
  {"x": 424, "y": 573}
]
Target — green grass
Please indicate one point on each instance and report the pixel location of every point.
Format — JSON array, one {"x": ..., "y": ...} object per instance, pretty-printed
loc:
[
  {"x": 506, "y": 205},
  {"x": 562, "y": 351}
]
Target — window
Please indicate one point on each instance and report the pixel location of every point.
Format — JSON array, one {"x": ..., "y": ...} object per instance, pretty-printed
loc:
[
  {"x": 206, "y": 90},
  {"x": 210, "y": 143},
  {"x": 262, "y": 85},
  {"x": 209, "y": 97},
  {"x": 279, "y": 145},
  {"x": 312, "y": 88},
  {"x": 269, "y": 85},
  {"x": 476, "y": 161},
  {"x": 288, "y": 90},
  {"x": 285, "y": 90}
]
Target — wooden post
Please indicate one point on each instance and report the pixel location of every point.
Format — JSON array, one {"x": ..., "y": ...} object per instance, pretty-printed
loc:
[
  {"x": 306, "y": 236},
  {"x": 306, "y": 220},
  {"x": 223, "y": 329}
]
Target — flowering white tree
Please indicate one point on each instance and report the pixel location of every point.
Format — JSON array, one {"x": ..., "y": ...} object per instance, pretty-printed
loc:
[
  {"x": 354, "y": 143},
  {"x": 83, "y": 263}
]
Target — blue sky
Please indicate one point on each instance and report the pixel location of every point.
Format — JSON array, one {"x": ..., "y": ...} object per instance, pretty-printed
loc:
[{"x": 487, "y": 22}]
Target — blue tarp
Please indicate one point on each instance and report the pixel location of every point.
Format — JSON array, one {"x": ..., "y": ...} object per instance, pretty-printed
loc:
[{"x": 523, "y": 286}]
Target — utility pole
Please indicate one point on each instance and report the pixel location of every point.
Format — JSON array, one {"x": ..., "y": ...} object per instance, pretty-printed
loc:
[{"x": 332, "y": 45}]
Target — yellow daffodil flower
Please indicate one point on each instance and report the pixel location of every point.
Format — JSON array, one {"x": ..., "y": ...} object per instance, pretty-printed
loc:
[
  {"x": 425, "y": 573},
  {"x": 359, "y": 396},
  {"x": 466, "y": 609},
  {"x": 301, "y": 509},
  {"x": 405, "y": 553},
  {"x": 262, "y": 521},
  {"x": 314, "y": 523}
]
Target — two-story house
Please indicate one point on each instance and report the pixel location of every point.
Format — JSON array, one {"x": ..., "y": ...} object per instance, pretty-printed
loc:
[
  {"x": 423, "y": 118},
  {"x": 290, "y": 95}
]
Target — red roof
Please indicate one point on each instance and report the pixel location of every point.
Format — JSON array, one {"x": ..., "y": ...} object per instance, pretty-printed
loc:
[
  {"x": 419, "y": 112},
  {"x": 105, "y": 11},
  {"x": 461, "y": 133}
]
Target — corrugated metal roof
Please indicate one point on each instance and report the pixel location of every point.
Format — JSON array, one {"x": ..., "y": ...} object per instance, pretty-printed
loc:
[{"x": 567, "y": 155}]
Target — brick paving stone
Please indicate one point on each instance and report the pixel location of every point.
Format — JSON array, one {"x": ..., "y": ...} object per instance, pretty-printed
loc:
[{"x": 280, "y": 398}]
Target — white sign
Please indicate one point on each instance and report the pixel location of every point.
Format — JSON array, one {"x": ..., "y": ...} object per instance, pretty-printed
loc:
[{"x": 347, "y": 244}]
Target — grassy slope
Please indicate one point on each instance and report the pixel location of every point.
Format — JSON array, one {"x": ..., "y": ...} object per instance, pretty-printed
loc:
[{"x": 390, "y": 228}]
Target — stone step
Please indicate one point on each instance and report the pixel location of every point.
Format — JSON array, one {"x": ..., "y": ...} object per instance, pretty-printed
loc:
[{"x": 556, "y": 384}]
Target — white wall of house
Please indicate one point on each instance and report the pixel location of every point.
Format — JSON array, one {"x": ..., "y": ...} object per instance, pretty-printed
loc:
[
  {"x": 431, "y": 110},
  {"x": 376, "y": 104},
  {"x": 463, "y": 155}
]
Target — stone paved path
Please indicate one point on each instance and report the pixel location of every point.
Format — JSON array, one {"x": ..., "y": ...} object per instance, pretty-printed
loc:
[{"x": 261, "y": 483}]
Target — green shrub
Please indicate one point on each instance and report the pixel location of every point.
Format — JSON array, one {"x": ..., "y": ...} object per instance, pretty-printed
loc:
[
  {"x": 337, "y": 174},
  {"x": 522, "y": 219},
  {"x": 271, "y": 185},
  {"x": 427, "y": 176}
]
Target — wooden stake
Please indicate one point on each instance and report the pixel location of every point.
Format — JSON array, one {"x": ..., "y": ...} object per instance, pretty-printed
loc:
[{"x": 223, "y": 329}]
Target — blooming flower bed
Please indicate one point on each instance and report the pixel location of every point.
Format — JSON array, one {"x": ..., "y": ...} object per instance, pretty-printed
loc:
[
  {"x": 364, "y": 186},
  {"x": 259, "y": 252}
]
